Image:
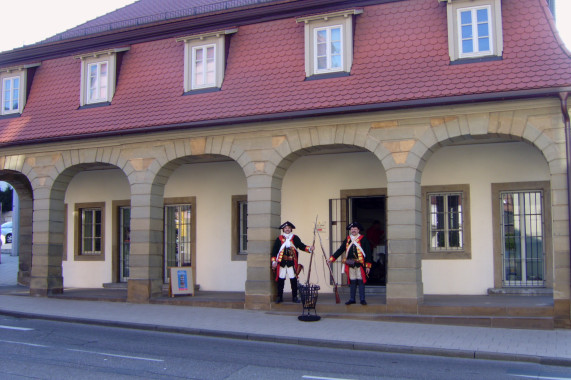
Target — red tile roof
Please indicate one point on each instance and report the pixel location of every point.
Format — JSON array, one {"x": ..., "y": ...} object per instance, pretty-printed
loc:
[
  {"x": 148, "y": 11},
  {"x": 401, "y": 54}
]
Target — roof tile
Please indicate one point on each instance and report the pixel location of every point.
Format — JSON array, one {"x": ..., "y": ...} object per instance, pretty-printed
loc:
[{"x": 400, "y": 54}]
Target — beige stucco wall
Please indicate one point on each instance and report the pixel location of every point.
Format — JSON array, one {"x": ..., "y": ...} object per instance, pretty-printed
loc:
[
  {"x": 92, "y": 186},
  {"x": 479, "y": 166},
  {"x": 307, "y": 187},
  {"x": 213, "y": 185}
]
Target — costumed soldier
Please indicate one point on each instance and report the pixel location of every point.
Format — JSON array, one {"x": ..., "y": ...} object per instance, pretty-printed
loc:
[
  {"x": 358, "y": 261},
  {"x": 284, "y": 260}
]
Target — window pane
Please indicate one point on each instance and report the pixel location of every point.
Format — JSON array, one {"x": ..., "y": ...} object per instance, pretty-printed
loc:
[
  {"x": 467, "y": 31},
  {"x": 483, "y": 30},
  {"x": 482, "y": 15},
  {"x": 484, "y": 44},
  {"x": 336, "y": 61},
  {"x": 467, "y": 46},
  {"x": 465, "y": 17},
  {"x": 322, "y": 63},
  {"x": 336, "y": 34}
]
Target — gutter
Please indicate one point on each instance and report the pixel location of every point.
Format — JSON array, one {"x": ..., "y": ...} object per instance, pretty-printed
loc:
[{"x": 565, "y": 112}]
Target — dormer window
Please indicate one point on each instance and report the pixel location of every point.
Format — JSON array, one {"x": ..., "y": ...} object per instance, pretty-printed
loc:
[
  {"x": 99, "y": 76},
  {"x": 14, "y": 85},
  {"x": 203, "y": 66},
  {"x": 474, "y": 29},
  {"x": 205, "y": 60},
  {"x": 329, "y": 42},
  {"x": 97, "y": 82},
  {"x": 328, "y": 49},
  {"x": 11, "y": 91}
]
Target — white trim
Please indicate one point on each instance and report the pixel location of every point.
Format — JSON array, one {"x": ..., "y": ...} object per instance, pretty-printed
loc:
[
  {"x": 328, "y": 54},
  {"x": 12, "y": 74},
  {"x": 205, "y": 65},
  {"x": 476, "y": 52},
  {"x": 344, "y": 19}
]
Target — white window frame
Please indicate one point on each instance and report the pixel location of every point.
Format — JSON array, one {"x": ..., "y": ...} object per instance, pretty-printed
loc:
[
  {"x": 99, "y": 85},
  {"x": 446, "y": 228},
  {"x": 476, "y": 52},
  {"x": 328, "y": 49},
  {"x": 8, "y": 75},
  {"x": 10, "y": 94},
  {"x": 95, "y": 231},
  {"x": 328, "y": 21},
  {"x": 447, "y": 252},
  {"x": 108, "y": 57},
  {"x": 454, "y": 9},
  {"x": 80, "y": 232},
  {"x": 204, "y": 41},
  {"x": 195, "y": 71}
]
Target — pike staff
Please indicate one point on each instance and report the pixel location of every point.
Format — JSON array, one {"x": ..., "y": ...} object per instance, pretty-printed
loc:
[
  {"x": 337, "y": 298},
  {"x": 312, "y": 245}
]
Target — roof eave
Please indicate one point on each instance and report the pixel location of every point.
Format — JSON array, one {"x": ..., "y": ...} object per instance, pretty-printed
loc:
[{"x": 553, "y": 92}]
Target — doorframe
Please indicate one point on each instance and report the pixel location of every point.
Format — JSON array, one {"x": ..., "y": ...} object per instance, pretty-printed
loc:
[
  {"x": 116, "y": 234},
  {"x": 182, "y": 201},
  {"x": 370, "y": 192}
]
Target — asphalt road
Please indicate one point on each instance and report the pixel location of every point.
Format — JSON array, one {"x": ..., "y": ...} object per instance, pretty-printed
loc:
[{"x": 38, "y": 349}]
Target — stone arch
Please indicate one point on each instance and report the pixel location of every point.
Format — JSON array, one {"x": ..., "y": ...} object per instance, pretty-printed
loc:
[
  {"x": 23, "y": 188},
  {"x": 148, "y": 174},
  {"x": 542, "y": 131},
  {"x": 50, "y": 176}
]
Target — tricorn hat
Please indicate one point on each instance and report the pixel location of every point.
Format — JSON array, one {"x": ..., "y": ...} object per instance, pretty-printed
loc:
[
  {"x": 288, "y": 223},
  {"x": 355, "y": 224}
]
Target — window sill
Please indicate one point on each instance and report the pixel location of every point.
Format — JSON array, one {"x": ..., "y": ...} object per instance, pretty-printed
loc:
[
  {"x": 99, "y": 257},
  {"x": 94, "y": 105},
  {"x": 339, "y": 74},
  {"x": 10, "y": 115},
  {"x": 490, "y": 58},
  {"x": 447, "y": 255},
  {"x": 202, "y": 91}
]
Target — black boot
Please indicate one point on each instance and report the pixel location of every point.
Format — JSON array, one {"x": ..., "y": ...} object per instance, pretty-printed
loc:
[
  {"x": 353, "y": 291},
  {"x": 293, "y": 282},
  {"x": 362, "y": 292},
  {"x": 281, "y": 282}
]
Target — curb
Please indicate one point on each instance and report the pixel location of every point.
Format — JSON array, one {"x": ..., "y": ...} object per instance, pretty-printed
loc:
[{"x": 387, "y": 348}]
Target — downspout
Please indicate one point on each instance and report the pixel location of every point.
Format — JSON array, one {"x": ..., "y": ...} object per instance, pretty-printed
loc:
[{"x": 565, "y": 111}]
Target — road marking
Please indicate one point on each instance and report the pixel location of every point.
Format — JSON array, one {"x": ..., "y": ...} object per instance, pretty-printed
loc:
[
  {"x": 117, "y": 356},
  {"x": 25, "y": 344},
  {"x": 322, "y": 378},
  {"x": 543, "y": 377},
  {"x": 15, "y": 328}
]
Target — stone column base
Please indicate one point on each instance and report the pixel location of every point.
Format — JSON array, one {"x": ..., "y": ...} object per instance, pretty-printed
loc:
[
  {"x": 46, "y": 286},
  {"x": 141, "y": 291}
]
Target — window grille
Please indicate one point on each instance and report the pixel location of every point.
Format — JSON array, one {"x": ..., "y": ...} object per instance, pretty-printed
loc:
[{"x": 522, "y": 238}]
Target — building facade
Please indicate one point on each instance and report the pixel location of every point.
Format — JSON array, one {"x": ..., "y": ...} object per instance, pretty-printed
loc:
[{"x": 140, "y": 142}]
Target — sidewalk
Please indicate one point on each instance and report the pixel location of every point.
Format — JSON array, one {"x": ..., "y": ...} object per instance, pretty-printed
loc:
[{"x": 552, "y": 347}]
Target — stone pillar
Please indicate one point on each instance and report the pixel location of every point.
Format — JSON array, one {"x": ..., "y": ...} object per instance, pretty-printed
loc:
[
  {"x": 146, "y": 256},
  {"x": 25, "y": 237},
  {"x": 48, "y": 225},
  {"x": 404, "y": 277},
  {"x": 263, "y": 219}
]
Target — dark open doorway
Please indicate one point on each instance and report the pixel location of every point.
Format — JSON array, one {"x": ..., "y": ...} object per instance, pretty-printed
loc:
[{"x": 370, "y": 211}]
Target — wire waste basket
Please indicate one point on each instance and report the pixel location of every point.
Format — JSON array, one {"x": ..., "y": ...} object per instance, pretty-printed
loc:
[{"x": 308, "y": 293}]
